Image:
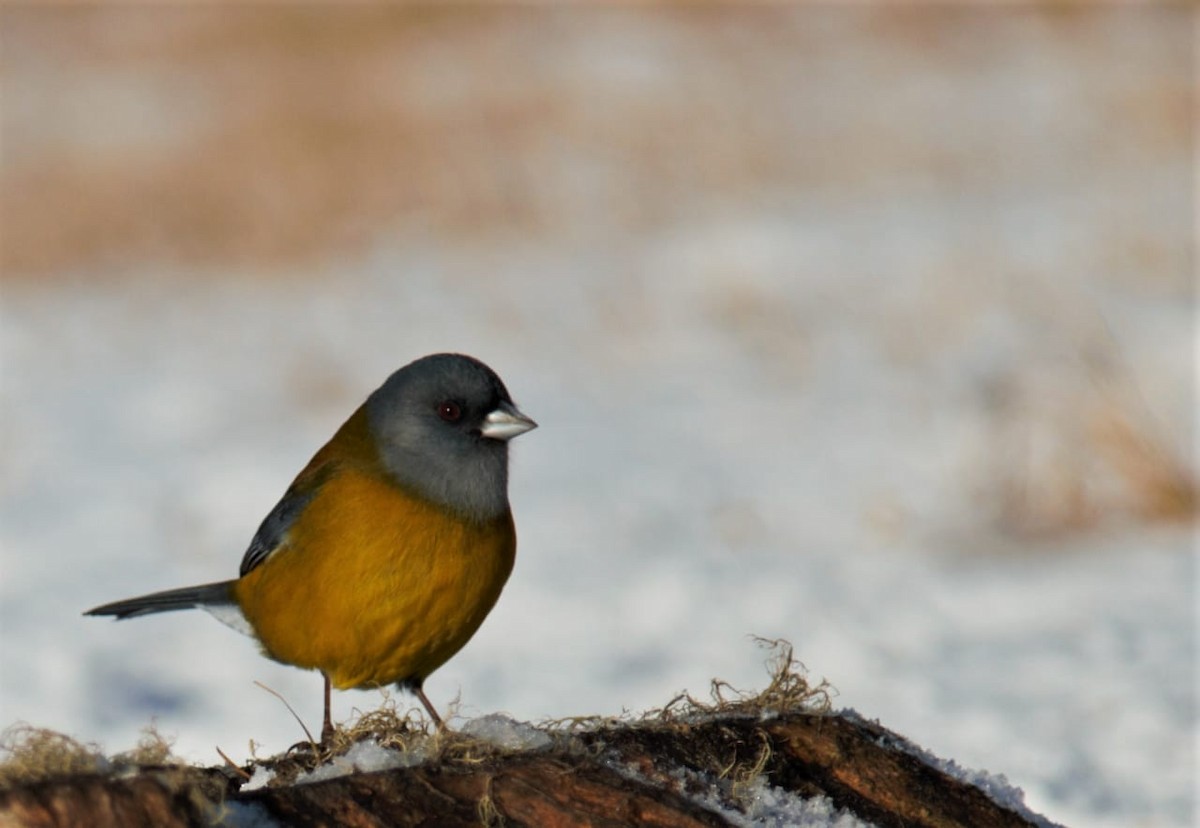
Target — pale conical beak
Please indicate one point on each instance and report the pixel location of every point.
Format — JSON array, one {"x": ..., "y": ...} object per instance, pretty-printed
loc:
[{"x": 505, "y": 423}]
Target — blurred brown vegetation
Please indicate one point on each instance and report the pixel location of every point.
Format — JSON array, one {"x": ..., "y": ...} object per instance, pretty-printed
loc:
[
  {"x": 215, "y": 135},
  {"x": 272, "y": 134}
]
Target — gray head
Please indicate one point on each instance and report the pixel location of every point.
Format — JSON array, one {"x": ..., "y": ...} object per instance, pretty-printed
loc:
[{"x": 443, "y": 424}]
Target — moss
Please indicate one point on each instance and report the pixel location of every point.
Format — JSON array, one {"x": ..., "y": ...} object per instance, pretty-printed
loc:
[{"x": 30, "y": 754}]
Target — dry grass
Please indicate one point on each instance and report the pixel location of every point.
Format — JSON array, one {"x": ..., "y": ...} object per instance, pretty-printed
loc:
[
  {"x": 737, "y": 767},
  {"x": 29, "y": 754},
  {"x": 787, "y": 691},
  {"x": 33, "y": 753},
  {"x": 1160, "y": 486},
  {"x": 153, "y": 749},
  {"x": 407, "y": 732},
  {"x": 1078, "y": 451}
]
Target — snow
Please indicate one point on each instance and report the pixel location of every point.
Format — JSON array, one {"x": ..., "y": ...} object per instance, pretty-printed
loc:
[
  {"x": 368, "y": 755},
  {"x": 261, "y": 777},
  {"x": 363, "y": 757},
  {"x": 754, "y": 803},
  {"x": 772, "y": 807}
]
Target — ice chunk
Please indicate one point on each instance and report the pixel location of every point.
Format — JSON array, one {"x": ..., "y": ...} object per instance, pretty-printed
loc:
[
  {"x": 364, "y": 757},
  {"x": 507, "y": 733}
]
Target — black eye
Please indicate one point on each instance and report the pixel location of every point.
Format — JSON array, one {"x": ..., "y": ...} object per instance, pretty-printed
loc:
[{"x": 449, "y": 411}]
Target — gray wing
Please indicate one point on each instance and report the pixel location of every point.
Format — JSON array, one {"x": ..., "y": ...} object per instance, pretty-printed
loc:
[{"x": 274, "y": 528}]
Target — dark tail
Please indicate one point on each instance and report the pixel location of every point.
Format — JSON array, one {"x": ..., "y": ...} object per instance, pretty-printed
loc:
[{"x": 205, "y": 595}]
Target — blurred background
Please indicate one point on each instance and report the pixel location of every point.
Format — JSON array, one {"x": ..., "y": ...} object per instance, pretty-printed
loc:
[{"x": 869, "y": 327}]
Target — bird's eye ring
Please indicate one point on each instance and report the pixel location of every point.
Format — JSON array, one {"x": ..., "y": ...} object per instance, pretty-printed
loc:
[{"x": 449, "y": 411}]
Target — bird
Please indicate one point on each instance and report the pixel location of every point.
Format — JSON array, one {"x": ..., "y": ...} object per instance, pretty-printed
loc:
[{"x": 388, "y": 550}]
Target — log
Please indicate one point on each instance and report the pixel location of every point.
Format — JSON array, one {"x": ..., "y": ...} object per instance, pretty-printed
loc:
[{"x": 698, "y": 769}]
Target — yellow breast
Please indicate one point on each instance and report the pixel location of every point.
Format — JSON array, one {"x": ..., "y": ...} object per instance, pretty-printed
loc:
[{"x": 373, "y": 586}]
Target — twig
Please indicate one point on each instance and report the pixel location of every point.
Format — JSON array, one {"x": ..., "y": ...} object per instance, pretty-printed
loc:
[
  {"x": 236, "y": 768},
  {"x": 299, "y": 721}
]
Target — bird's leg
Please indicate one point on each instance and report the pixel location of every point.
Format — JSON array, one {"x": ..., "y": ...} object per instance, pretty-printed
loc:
[
  {"x": 433, "y": 714},
  {"x": 327, "y": 724}
]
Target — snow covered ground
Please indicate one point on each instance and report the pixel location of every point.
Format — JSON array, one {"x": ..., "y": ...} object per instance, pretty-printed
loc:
[
  {"x": 682, "y": 493},
  {"x": 903, "y": 426}
]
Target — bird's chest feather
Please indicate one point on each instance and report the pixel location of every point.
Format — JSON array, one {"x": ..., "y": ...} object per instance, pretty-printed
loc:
[{"x": 373, "y": 586}]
